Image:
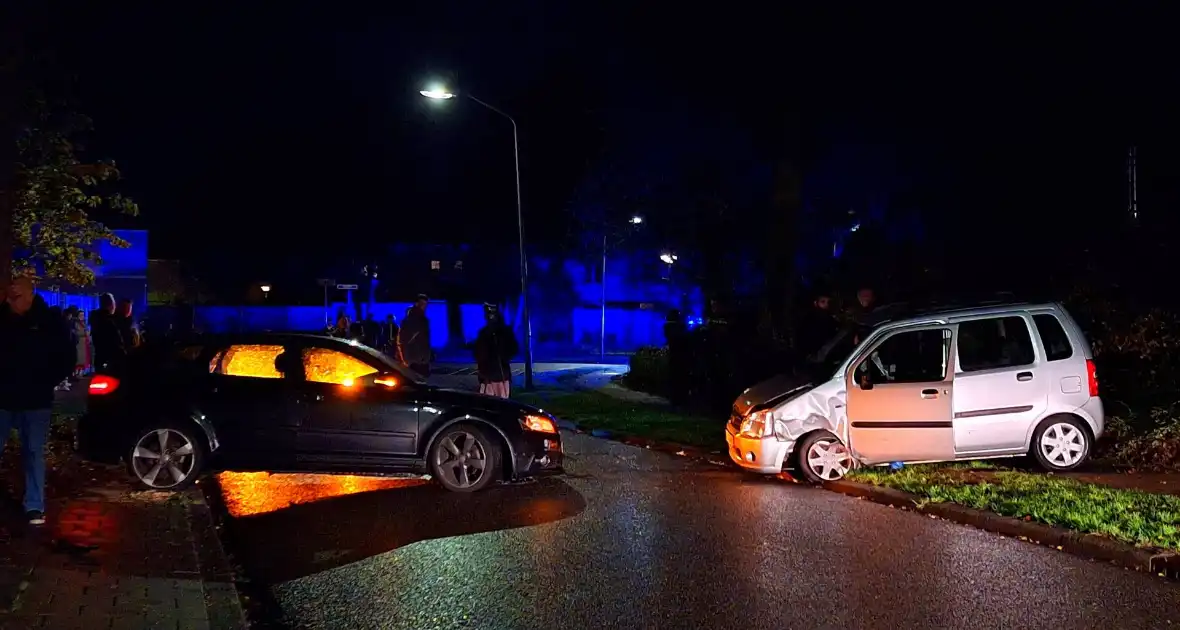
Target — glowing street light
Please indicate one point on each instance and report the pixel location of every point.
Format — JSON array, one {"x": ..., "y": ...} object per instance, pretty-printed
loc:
[
  {"x": 265, "y": 291},
  {"x": 669, "y": 258},
  {"x": 440, "y": 93},
  {"x": 636, "y": 220},
  {"x": 437, "y": 93}
]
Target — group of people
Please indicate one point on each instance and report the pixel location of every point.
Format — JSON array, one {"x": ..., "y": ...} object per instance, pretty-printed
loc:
[
  {"x": 822, "y": 320},
  {"x": 106, "y": 335},
  {"x": 409, "y": 343}
]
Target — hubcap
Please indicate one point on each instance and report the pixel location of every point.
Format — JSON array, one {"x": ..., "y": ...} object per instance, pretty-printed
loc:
[
  {"x": 1063, "y": 444},
  {"x": 828, "y": 459},
  {"x": 461, "y": 458},
  {"x": 163, "y": 458}
]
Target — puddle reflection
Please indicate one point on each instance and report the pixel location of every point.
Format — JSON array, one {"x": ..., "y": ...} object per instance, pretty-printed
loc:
[{"x": 254, "y": 493}]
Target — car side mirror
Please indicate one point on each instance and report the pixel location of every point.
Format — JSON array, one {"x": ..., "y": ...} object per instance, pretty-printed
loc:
[{"x": 866, "y": 381}]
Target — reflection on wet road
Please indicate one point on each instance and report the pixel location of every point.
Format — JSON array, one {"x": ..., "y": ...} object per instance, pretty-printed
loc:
[
  {"x": 253, "y": 493},
  {"x": 636, "y": 539}
]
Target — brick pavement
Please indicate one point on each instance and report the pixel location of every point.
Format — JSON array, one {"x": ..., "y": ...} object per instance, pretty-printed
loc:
[{"x": 111, "y": 557}]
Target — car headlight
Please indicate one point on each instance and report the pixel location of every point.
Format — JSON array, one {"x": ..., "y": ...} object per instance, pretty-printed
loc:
[
  {"x": 540, "y": 424},
  {"x": 757, "y": 425}
]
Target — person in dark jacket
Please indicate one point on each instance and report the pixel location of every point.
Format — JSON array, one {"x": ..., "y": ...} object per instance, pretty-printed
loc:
[
  {"x": 494, "y": 348},
  {"x": 817, "y": 326},
  {"x": 109, "y": 349},
  {"x": 35, "y": 356},
  {"x": 125, "y": 321},
  {"x": 388, "y": 337},
  {"x": 413, "y": 339}
]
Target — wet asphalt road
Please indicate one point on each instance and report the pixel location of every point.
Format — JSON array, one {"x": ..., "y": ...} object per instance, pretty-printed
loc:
[{"x": 637, "y": 539}]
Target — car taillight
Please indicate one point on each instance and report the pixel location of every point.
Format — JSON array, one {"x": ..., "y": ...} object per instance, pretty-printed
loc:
[
  {"x": 101, "y": 385},
  {"x": 1092, "y": 376}
]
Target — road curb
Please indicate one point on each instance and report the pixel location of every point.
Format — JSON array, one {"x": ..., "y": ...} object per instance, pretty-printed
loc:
[
  {"x": 254, "y": 598},
  {"x": 1091, "y": 546},
  {"x": 716, "y": 458},
  {"x": 223, "y": 602}
]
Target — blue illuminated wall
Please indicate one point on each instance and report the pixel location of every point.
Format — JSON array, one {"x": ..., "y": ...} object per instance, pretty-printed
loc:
[{"x": 123, "y": 273}]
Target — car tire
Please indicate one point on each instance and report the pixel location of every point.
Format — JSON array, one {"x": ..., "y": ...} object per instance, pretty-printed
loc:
[
  {"x": 464, "y": 458},
  {"x": 1061, "y": 443},
  {"x": 830, "y": 461},
  {"x": 166, "y": 456}
]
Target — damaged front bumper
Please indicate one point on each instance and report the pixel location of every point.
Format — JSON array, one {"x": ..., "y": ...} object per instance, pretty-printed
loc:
[{"x": 761, "y": 455}]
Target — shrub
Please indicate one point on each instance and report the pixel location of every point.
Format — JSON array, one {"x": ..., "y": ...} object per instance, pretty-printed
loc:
[
  {"x": 649, "y": 371},
  {"x": 1154, "y": 448}
]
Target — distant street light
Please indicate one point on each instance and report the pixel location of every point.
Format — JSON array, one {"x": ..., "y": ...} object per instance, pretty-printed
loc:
[
  {"x": 669, "y": 258},
  {"x": 635, "y": 220},
  {"x": 265, "y": 291},
  {"x": 441, "y": 93}
]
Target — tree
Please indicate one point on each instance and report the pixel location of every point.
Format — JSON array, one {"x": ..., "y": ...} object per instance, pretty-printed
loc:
[{"x": 56, "y": 193}]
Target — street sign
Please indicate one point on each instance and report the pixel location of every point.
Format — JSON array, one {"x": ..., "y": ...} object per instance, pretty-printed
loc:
[
  {"x": 347, "y": 287},
  {"x": 326, "y": 282}
]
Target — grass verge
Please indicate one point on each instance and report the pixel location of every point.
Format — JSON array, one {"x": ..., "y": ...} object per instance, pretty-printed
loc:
[
  {"x": 1131, "y": 516},
  {"x": 592, "y": 410}
]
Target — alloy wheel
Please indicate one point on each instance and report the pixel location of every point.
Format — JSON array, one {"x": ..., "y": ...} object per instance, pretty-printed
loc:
[
  {"x": 1063, "y": 444},
  {"x": 462, "y": 459},
  {"x": 829, "y": 459},
  {"x": 163, "y": 458}
]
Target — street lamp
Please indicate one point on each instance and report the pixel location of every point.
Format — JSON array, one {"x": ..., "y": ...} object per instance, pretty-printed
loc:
[
  {"x": 265, "y": 291},
  {"x": 441, "y": 93},
  {"x": 669, "y": 258},
  {"x": 635, "y": 220}
]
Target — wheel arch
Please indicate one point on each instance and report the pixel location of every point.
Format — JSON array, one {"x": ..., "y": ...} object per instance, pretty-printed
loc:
[
  {"x": 508, "y": 458},
  {"x": 1028, "y": 440},
  {"x": 796, "y": 452},
  {"x": 203, "y": 430}
]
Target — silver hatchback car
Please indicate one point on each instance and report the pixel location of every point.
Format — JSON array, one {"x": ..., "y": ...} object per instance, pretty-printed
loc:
[{"x": 942, "y": 385}]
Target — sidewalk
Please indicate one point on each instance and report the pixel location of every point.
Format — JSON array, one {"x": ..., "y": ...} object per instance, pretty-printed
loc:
[{"x": 110, "y": 557}]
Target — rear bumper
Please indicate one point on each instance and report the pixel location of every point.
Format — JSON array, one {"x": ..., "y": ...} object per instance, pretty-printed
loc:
[
  {"x": 1094, "y": 414},
  {"x": 538, "y": 454}
]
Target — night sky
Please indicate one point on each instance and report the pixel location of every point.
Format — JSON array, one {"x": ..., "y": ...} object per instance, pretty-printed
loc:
[{"x": 249, "y": 132}]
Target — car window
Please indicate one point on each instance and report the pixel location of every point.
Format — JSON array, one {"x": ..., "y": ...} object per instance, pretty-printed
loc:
[
  {"x": 321, "y": 365},
  {"x": 916, "y": 356},
  {"x": 251, "y": 360},
  {"x": 998, "y": 342},
  {"x": 1053, "y": 337}
]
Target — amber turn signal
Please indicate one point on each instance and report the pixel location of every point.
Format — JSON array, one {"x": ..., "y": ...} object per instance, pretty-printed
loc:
[
  {"x": 386, "y": 381},
  {"x": 540, "y": 424}
]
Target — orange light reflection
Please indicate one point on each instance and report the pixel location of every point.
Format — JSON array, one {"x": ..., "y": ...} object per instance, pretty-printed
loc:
[{"x": 248, "y": 494}]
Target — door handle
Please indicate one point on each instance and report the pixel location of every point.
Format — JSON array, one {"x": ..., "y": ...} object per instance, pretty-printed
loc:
[
  {"x": 930, "y": 393},
  {"x": 1024, "y": 376}
]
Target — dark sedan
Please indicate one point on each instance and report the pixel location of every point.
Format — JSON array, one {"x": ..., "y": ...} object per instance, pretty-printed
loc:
[{"x": 304, "y": 403}]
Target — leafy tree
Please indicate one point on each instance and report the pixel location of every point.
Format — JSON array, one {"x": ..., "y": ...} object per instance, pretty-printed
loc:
[{"x": 56, "y": 196}]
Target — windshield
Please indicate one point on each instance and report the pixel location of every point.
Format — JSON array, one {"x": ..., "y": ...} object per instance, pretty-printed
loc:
[
  {"x": 388, "y": 362},
  {"x": 838, "y": 348}
]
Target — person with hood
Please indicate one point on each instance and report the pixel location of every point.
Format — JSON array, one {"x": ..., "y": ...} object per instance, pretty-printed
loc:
[
  {"x": 413, "y": 340},
  {"x": 35, "y": 355},
  {"x": 109, "y": 349},
  {"x": 494, "y": 348}
]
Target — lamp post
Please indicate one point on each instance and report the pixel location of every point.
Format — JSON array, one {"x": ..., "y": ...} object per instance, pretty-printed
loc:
[
  {"x": 635, "y": 220},
  {"x": 265, "y": 292},
  {"x": 439, "y": 93}
]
